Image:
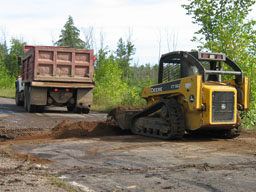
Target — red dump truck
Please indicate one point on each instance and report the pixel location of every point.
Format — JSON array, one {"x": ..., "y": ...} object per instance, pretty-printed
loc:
[{"x": 58, "y": 76}]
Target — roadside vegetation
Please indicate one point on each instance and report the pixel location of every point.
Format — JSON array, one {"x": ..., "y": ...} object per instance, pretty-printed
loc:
[
  {"x": 223, "y": 27},
  {"x": 118, "y": 82},
  {"x": 9, "y": 65},
  {"x": 7, "y": 92}
]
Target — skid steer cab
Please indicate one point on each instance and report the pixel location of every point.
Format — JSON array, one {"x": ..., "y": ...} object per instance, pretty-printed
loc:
[{"x": 195, "y": 91}]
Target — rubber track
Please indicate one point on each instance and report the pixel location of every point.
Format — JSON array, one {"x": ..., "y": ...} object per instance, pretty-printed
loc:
[{"x": 175, "y": 119}]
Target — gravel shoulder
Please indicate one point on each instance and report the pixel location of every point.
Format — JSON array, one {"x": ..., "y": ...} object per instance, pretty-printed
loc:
[{"x": 23, "y": 175}]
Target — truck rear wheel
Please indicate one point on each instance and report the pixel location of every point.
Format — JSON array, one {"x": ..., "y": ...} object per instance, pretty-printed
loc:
[
  {"x": 85, "y": 110},
  {"x": 25, "y": 98},
  {"x": 18, "y": 100},
  {"x": 28, "y": 107},
  {"x": 39, "y": 109},
  {"x": 70, "y": 108},
  {"x": 81, "y": 110}
]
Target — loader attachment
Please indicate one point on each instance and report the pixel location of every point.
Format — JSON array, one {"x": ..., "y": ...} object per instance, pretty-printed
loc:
[
  {"x": 148, "y": 122},
  {"x": 121, "y": 117}
]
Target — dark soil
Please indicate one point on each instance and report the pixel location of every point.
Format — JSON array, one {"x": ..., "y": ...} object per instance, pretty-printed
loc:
[{"x": 84, "y": 129}]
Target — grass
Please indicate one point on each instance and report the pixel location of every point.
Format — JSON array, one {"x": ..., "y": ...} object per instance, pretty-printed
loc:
[
  {"x": 107, "y": 107},
  {"x": 61, "y": 184},
  {"x": 102, "y": 108},
  {"x": 7, "y": 92}
]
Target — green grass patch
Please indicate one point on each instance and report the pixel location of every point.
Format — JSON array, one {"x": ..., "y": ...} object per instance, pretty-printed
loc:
[
  {"x": 102, "y": 108},
  {"x": 62, "y": 184},
  {"x": 108, "y": 105},
  {"x": 7, "y": 92}
]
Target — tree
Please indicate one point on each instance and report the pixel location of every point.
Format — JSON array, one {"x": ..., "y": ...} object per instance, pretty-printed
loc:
[
  {"x": 3, "y": 51},
  {"x": 222, "y": 23},
  {"x": 16, "y": 50},
  {"x": 101, "y": 58},
  {"x": 70, "y": 36},
  {"x": 3, "y": 46},
  {"x": 124, "y": 54},
  {"x": 224, "y": 28},
  {"x": 121, "y": 54},
  {"x": 110, "y": 89},
  {"x": 6, "y": 81}
]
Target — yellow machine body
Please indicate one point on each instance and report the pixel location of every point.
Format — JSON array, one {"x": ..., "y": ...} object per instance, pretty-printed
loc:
[
  {"x": 196, "y": 98},
  {"x": 192, "y": 93}
]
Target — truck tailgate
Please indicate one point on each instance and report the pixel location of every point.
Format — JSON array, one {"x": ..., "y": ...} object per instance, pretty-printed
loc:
[{"x": 46, "y": 63}]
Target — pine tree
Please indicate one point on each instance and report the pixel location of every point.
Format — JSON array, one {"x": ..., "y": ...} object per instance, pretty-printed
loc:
[
  {"x": 70, "y": 36},
  {"x": 124, "y": 54}
]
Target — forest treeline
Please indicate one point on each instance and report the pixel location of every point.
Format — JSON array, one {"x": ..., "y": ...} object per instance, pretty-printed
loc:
[{"x": 224, "y": 27}]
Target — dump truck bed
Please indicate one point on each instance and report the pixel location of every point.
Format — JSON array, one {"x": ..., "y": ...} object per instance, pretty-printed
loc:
[{"x": 57, "y": 64}]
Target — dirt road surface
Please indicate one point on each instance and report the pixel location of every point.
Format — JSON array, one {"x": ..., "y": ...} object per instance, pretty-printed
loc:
[
  {"x": 15, "y": 120},
  {"x": 79, "y": 152}
]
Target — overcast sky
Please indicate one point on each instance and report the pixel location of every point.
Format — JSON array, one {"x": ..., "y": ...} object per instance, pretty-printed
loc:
[{"x": 39, "y": 22}]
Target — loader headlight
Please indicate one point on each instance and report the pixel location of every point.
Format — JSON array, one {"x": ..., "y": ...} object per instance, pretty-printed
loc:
[
  {"x": 223, "y": 106},
  {"x": 191, "y": 98}
]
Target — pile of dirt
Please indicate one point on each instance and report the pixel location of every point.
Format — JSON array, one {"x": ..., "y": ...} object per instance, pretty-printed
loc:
[
  {"x": 84, "y": 129},
  {"x": 12, "y": 133},
  {"x": 24, "y": 157},
  {"x": 63, "y": 130}
]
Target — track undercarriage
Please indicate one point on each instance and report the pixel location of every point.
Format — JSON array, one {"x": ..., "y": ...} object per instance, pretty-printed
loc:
[{"x": 168, "y": 124}]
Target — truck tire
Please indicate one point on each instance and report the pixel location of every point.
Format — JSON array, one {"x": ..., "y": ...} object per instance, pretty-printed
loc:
[
  {"x": 85, "y": 110},
  {"x": 70, "y": 108},
  {"x": 81, "y": 110},
  {"x": 39, "y": 109},
  {"x": 25, "y": 98},
  {"x": 28, "y": 107},
  {"x": 18, "y": 100}
]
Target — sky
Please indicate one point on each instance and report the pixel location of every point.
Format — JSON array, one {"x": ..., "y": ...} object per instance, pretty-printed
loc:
[{"x": 151, "y": 24}]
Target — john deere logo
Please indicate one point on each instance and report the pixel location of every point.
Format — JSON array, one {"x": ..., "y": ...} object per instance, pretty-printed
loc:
[
  {"x": 157, "y": 89},
  {"x": 165, "y": 87}
]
